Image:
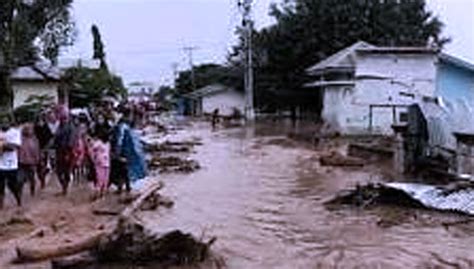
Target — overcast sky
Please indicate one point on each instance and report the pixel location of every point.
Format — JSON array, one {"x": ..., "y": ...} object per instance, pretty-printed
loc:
[{"x": 144, "y": 38}]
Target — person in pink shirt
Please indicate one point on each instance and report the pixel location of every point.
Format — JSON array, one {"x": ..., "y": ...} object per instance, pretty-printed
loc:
[{"x": 100, "y": 155}]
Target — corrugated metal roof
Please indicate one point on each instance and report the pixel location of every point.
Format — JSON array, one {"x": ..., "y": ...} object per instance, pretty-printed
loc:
[
  {"x": 461, "y": 200},
  {"x": 340, "y": 59},
  {"x": 208, "y": 90},
  {"x": 397, "y": 50},
  {"x": 456, "y": 61}
]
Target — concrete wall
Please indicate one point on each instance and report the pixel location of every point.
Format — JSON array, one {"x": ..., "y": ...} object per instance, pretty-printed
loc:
[
  {"x": 23, "y": 90},
  {"x": 337, "y": 106},
  {"x": 414, "y": 72},
  {"x": 455, "y": 84},
  {"x": 390, "y": 79},
  {"x": 224, "y": 101}
]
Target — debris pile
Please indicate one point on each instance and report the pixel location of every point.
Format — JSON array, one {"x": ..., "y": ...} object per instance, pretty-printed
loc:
[
  {"x": 172, "y": 147},
  {"x": 134, "y": 244},
  {"x": 337, "y": 159},
  {"x": 374, "y": 195},
  {"x": 456, "y": 197},
  {"x": 123, "y": 240},
  {"x": 173, "y": 164}
]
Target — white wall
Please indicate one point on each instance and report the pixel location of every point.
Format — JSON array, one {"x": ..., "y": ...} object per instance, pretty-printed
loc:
[
  {"x": 396, "y": 74},
  {"x": 336, "y": 107},
  {"x": 225, "y": 102},
  {"x": 23, "y": 90}
]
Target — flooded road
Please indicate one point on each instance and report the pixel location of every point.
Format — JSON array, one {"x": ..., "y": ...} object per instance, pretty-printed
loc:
[{"x": 263, "y": 200}]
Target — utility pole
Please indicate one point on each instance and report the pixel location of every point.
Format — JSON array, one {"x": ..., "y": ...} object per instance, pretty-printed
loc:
[
  {"x": 245, "y": 7},
  {"x": 190, "y": 50},
  {"x": 175, "y": 73}
]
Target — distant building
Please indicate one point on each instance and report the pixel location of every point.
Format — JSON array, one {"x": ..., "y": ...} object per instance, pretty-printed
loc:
[
  {"x": 216, "y": 96},
  {"x": 141, "y": 91},
  {"x": 30, "y": 81},
  {"x": 367, "y": 88}
]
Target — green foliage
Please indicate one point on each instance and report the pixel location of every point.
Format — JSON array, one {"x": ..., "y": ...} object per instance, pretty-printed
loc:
[
  {"x": 29, "y": 29},
  {"x": 30, "y": 110},
  {"x": 58, "y": 32},
  {"x": 209, "y": 74},
  {"x": 165, "y": 97},
  {"x": 88, "y": 86},
  {"x": 307, "y": 31}
]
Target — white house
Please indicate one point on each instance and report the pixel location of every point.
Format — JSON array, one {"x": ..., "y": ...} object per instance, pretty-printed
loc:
[
  {"x": 141, "y": 91},
  {"x": 367, "y": 88},
  {"x": 29, "y": 81},
  {"x": 206, "y": 100}
]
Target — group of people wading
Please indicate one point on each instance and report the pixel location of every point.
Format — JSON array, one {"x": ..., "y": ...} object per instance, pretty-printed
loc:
[{"x": 98, "y": 148}]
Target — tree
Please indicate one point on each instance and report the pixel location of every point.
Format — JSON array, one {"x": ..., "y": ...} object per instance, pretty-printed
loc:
[
  {"x": 307, "y": 31},
  {"x": 88, "y": 85},
  {"x": 99, "y": 52},
  {"x": 206, "y": 74},
  {"x": 29, "y": 29}
]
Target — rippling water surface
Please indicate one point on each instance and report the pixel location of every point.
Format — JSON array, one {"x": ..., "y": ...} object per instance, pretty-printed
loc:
[{"x": 264, "y": 202}]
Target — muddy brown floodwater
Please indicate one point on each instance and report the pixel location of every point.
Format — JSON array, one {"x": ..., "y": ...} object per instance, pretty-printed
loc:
[{"x": 262, "y": 196}]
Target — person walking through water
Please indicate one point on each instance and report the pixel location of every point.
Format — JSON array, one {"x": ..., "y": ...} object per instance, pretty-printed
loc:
[
  {"x": 64, "y": 146},
  {"x": 127, "y": 152},
  {"x": 215, "y": 118},
  {"x": 29, "y": 157},
  {"x": 10, "y": 142}
]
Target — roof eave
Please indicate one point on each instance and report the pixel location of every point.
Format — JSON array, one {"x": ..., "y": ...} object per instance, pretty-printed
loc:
[
  {"x": 331, "y": 69},
  {"x": 444, "y": 57},
  {"x": 398, "y": 50},
  {"x": 329, "y": 83}
]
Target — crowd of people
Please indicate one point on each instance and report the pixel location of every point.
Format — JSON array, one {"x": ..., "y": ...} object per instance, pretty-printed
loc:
[{"x": 101, "y": 148}]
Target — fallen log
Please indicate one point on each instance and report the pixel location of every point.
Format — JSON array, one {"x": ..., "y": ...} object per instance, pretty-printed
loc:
[
  {"x": 105, "y": 212},
  {"x": 81, "y": 260},
  {"x": 31, "y": 254},
  {"x": 337, "y": 159},
  {"x": 127, "y": 213}
]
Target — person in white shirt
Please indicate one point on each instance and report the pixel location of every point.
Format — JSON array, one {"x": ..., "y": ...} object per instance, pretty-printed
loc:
[{"x": 10, "y": 137}]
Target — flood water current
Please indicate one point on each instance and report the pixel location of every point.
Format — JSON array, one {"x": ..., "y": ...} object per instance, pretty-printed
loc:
[{"x": 264, "y": 203}]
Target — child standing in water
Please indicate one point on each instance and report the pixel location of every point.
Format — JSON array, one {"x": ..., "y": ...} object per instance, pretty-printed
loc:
[{"x": 100, "y": 155}]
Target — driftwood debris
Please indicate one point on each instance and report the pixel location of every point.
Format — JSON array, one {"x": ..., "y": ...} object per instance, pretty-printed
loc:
[
  {"x": 373, "y": 195},
  {"x": 172, "y": 147},
  {"x": 337, "y": 159},
  {"x": 39, "y": 253},
  {"x": 27, "y": 253},
  {"x": 133, "y": 243},
  {"x": 81, "y": 260},
  {"x": 174, "y": 164},
  {"x": 127, "y": 213}
]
